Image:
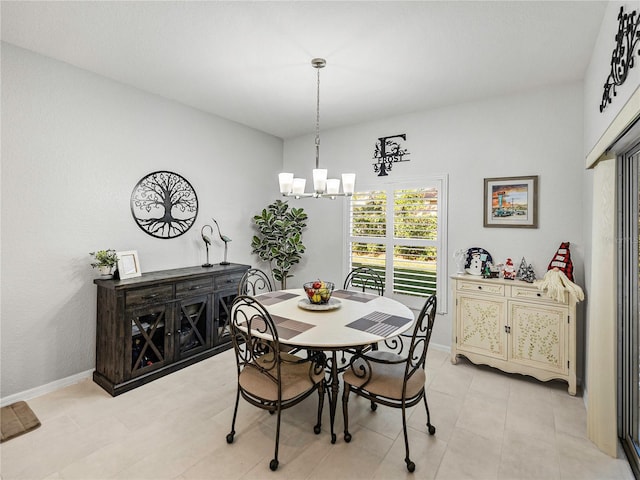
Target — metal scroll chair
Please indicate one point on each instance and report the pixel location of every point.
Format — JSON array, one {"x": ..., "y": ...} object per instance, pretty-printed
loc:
[
  {"x": 254, "y": 282},
  {"x": 364, "y": 278},
  {"x": 391, "y": 378},
  {"x": 273, "y": 382}
]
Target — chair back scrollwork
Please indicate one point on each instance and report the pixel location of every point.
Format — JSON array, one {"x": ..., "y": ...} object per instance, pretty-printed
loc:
[
  {"x": 254, "y": 337},
  {"x": 365, "y": 279},
  {"x": 254, "y": 282},
  {"x": 421, "y": 337}
]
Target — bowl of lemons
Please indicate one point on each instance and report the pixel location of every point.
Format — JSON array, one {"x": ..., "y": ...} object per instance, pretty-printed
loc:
[{"x": 318, "y": 291}]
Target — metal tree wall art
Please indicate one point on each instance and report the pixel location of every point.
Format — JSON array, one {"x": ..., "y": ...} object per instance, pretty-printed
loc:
[
  {"x": 387, "y": 153},
  {"x": 164, "y": 204},
  {"x": 622, "y": 58}
]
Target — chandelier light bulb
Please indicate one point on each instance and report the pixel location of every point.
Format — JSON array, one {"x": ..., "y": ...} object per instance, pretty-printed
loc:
[
  {"x": 348, "y": 183},
  {"x": 286, "y": 182},
  {"x": 298, "y": 185}
]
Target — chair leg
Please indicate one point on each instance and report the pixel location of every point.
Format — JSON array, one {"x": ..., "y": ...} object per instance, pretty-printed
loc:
[
  {"x": 432, "y": 429},
  {"x": 410, "y": 465},
  {"x": 273, "y": 465},
  {"x": 318, "y": 426},
  {"x": 233, "y": 422},
  {"x": 345, "y": 412}
]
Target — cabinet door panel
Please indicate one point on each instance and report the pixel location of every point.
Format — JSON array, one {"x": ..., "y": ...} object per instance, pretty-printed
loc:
[
  {"x": 221, "y": 328},
  {"x": 481, "y": 326},
  {"x": 193, "y": 333},
  {"x": 539, "y": 336},
  {"x": 149, "y": 348}
]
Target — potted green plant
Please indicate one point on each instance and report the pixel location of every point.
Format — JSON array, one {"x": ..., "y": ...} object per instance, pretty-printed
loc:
[
  {"x": 280, "y": 239},
  {"x": 105, "y": 261}
]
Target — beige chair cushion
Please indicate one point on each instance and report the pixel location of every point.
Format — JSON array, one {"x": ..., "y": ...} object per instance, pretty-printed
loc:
[
  {"x": 386, "y": 380},
  {"x": 296, "y": 378}
]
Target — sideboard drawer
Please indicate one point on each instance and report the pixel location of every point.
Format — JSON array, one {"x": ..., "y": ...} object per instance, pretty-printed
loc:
[
  {"x": 228, "y": 280},
  {"x": 532, "y": 294},
  {"x": 145, "y": 296},
  {"x": 488, "y": 288},
  {"x": 193, "y": 287}
]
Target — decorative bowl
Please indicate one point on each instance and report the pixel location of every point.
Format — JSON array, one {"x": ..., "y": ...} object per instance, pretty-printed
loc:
[{"x": 318, "y": 292}]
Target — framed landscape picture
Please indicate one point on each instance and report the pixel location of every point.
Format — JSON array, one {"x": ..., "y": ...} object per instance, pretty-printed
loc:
[{"x": 511, "y": 202}]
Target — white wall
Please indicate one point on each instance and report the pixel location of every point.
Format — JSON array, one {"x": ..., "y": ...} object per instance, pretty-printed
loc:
[
  {"x": 538, "y": 133},
  {"x": 74, "y": 145}
]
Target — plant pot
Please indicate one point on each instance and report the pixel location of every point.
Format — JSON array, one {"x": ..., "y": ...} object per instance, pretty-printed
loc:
[{"x": 106, "y": 271}]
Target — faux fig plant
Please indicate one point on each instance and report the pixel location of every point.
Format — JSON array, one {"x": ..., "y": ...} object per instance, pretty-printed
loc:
[{"x": 279, "y": 241}]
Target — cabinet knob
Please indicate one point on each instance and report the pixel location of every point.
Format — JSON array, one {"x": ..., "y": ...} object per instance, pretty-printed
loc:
[
  {"x": 168, "y": 334},
  {"x": 479, "y": 287},
  {"x": 538, "y": 294}
]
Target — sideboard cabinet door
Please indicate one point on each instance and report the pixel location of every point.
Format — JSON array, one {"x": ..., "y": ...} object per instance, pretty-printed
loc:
[
  {"x": 149, "y": 344},
  {"x": 539, "y": 336},
  {"x": 481, "y": 325},
  {"x": 193, "y": 328}
]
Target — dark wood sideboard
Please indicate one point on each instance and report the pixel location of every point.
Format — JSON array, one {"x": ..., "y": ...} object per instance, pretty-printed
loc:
[{"x": 160, "y": 322}]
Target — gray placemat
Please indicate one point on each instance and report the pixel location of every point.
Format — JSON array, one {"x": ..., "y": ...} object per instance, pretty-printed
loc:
[
  {"x": 355, "y": 296},
  {"x": 271, "y": 298},
  {"x": 379, "y": 323}
]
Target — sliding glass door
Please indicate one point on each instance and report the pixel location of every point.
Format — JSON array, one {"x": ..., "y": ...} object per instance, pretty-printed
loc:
[{"x": 628, "y": 297}]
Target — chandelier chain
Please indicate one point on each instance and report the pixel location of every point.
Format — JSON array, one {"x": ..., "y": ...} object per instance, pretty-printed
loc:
[{"x": 318, "y": 121}]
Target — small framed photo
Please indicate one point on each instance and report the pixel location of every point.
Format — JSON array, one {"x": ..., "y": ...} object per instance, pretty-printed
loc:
[
  {"x": 128, "y": 264},
  {"x": 511, "y": 202}
]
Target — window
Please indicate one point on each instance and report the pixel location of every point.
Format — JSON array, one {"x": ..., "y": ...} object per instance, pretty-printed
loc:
[{"x": 399, "y": 230}]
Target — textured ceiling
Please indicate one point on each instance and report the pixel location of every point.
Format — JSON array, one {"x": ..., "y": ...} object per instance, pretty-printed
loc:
[{"x": 250, "y": 61}]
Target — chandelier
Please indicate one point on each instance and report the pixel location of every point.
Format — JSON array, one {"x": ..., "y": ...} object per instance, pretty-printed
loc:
[{"x": 322, "y": 186}]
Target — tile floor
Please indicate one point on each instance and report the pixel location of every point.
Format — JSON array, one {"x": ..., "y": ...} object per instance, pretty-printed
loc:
[{"x": 490, "y": 425}]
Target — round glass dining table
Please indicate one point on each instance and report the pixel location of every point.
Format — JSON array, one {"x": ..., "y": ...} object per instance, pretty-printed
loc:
[{"x": 352, "y": 320}]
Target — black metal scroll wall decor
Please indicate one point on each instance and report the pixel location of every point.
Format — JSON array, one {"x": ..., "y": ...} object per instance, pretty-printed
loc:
[
  {"x": 622, "y": 58},
  {"x": 387, "y": 153},
  {"x": 164, "y": 204}
]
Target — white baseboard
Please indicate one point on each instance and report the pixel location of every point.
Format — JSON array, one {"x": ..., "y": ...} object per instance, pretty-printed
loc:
[
  {"x": 442, "y": 348},
  {"x": 44, "y": 389}
]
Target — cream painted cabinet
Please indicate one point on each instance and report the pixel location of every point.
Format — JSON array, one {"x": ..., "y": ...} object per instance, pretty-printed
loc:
[{"x": 511, "y": 325}]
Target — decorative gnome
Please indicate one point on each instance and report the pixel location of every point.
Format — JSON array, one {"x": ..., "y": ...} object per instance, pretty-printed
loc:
[
  {"x": 559, "y": 276},
  {"x": 509, "y": 272}
]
